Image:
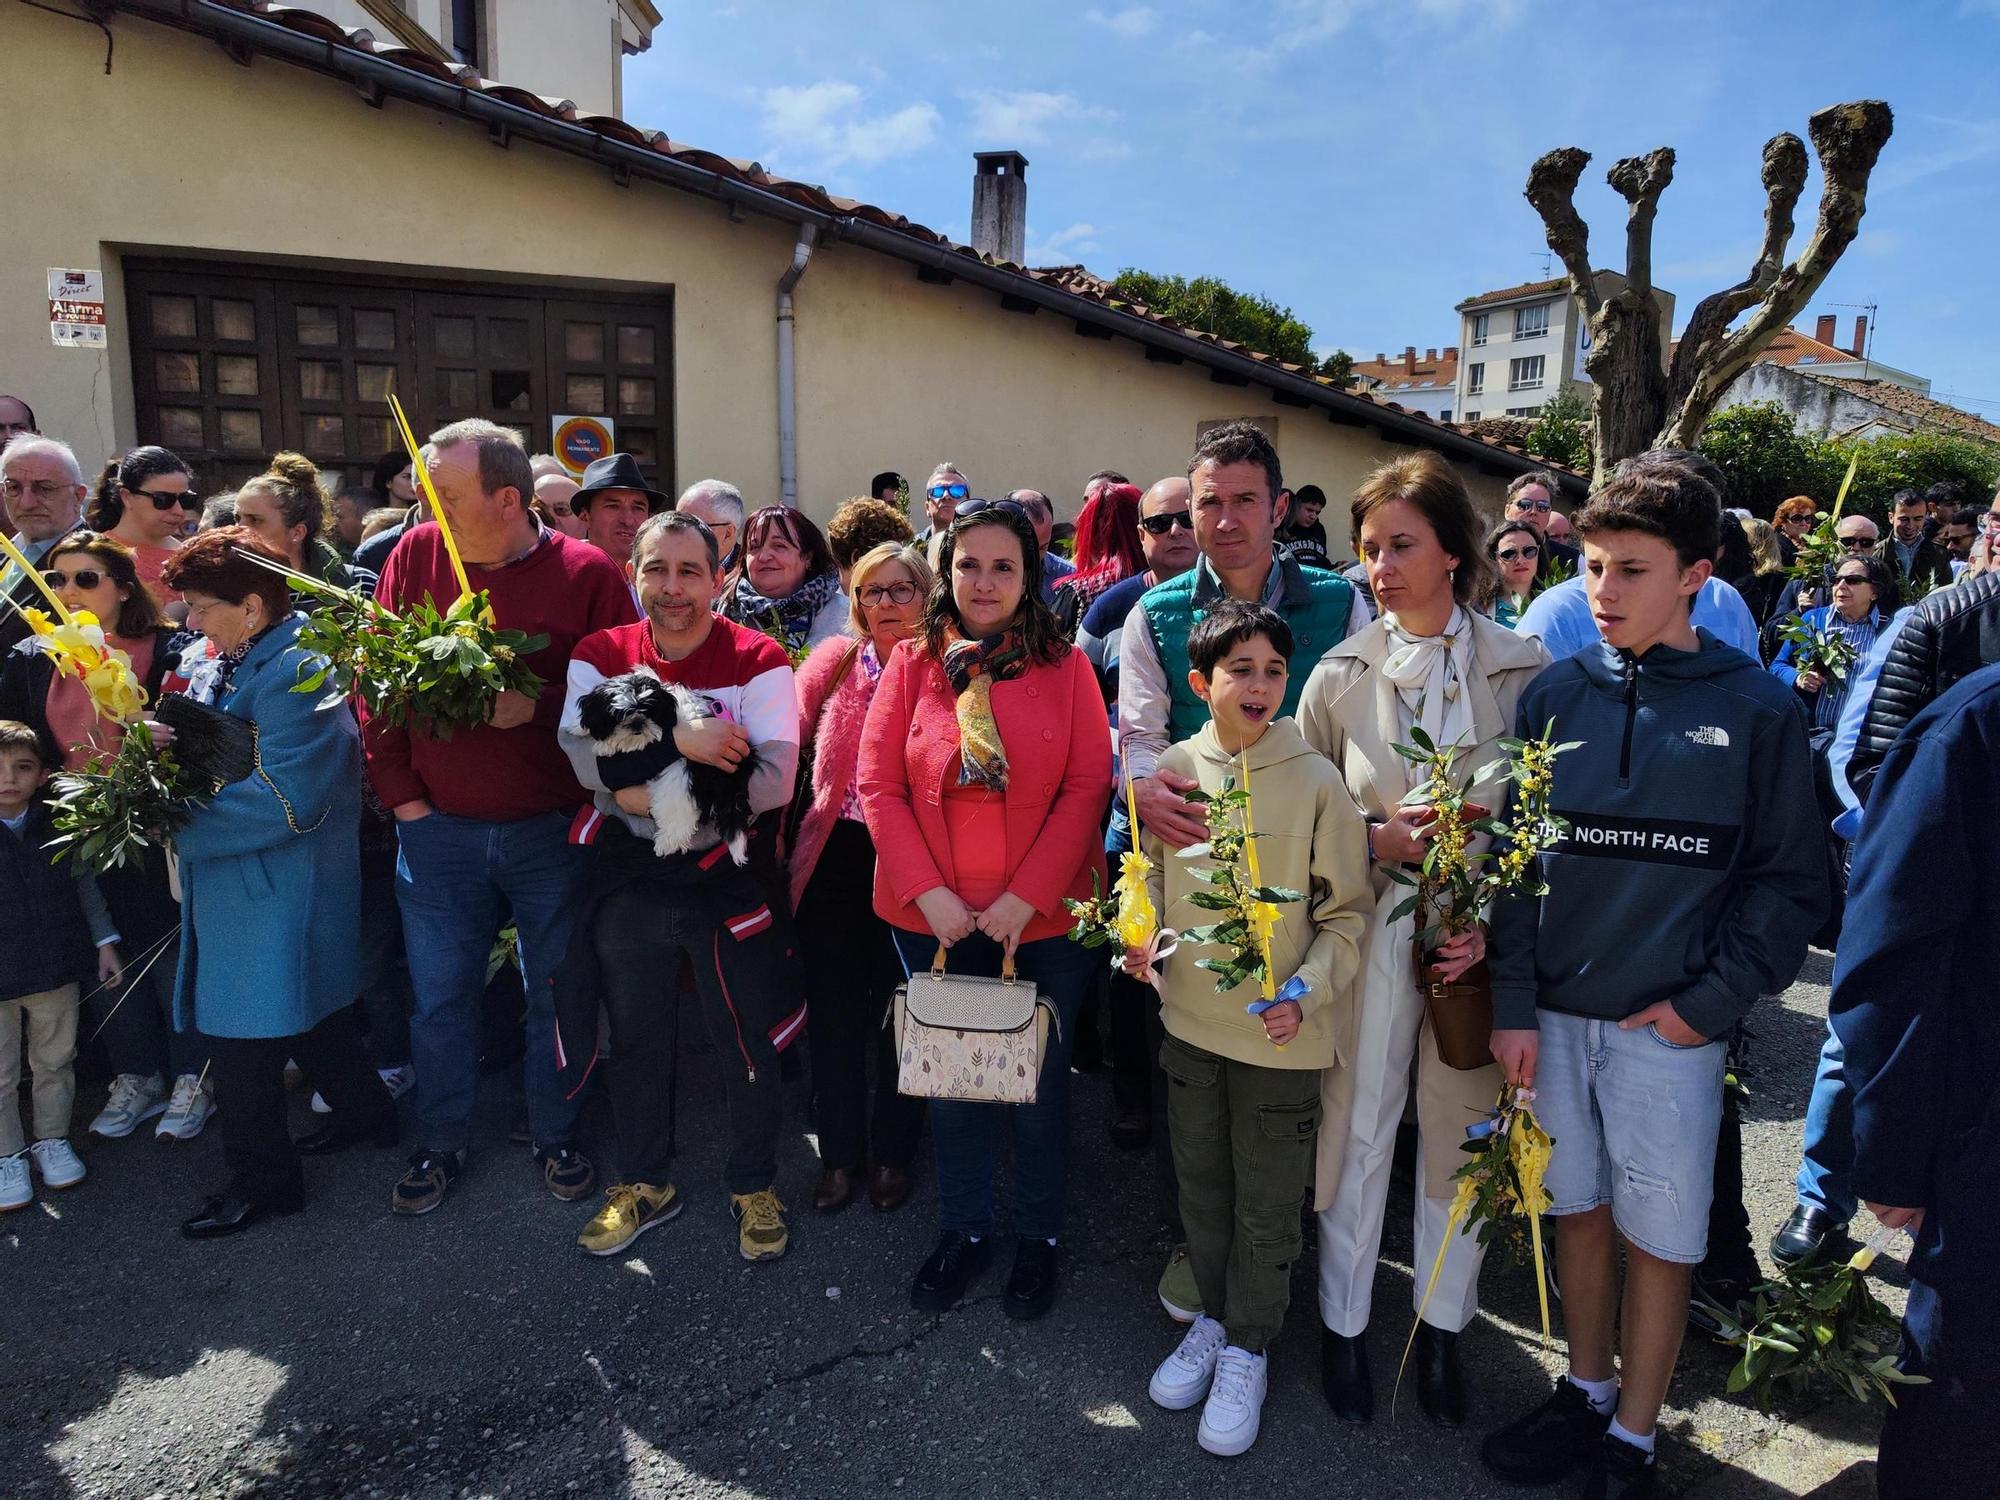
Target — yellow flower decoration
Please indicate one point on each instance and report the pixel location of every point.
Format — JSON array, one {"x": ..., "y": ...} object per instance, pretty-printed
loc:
[
  {"x": 79, "y": 650},
  {"x": 1135, "y": 920}
]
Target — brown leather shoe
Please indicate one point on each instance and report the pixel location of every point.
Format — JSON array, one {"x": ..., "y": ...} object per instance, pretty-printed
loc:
[
  {"x": 888, "y": 1188},
  {"x": 835, "y": 1190}
]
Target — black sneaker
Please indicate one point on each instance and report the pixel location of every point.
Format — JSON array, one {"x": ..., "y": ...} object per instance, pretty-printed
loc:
[
  {"x": 566, "y": 1172},
  {"x": 1710, "y": 1296},
  {"x": 1618, "y": 1471},
  {"x": 424, "y": 1186},
  {"x": 952, "y": 1267},
  {"x": 1031, "y": 1289},
  {"x": 1551, "y": 1442}
]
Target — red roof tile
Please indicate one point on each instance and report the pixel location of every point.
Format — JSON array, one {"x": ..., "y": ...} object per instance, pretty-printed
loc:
[
  {"x": 1922, "y": 410},
  {"x": 1508, "y": 294},
  {"x": 1792, "y": 347},
  {"x": 1440, "y": 373}
]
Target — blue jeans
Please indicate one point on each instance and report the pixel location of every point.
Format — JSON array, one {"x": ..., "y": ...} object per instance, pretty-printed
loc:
[
  {"x": 962, "y": 1132},
  {"x": 452, "y": 875},
  {"x": 1826, "y": 1156}
]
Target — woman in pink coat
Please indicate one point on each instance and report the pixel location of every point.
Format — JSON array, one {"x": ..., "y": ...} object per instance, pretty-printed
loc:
[
  {"x": 850, "y": 958},
  {"x": 985, "y": 770}
]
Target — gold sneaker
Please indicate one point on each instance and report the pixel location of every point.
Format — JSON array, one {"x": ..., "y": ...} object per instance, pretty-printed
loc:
[
  {"x": 760, "y": 1224},
  {"x": 630, "y": 1209}
]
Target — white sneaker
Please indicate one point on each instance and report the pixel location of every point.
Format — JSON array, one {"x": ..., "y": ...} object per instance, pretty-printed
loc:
[
  {"x": 134, "y": 1100},
  {"x": 1183, "y": 1376},
  {"x": 1235, "y": 1403},
  {"x": 17, "y": 1188},
  {"x": 188, "y": 1111},
  {"x": 58, "y": 1163},
  {"x": 398, "y": 1081}
]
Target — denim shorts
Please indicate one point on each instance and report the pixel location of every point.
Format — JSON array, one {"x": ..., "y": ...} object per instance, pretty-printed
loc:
[{"x": 1634, "y": 1119}]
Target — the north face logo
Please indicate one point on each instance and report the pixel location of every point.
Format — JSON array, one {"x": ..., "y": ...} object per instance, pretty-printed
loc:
[{"x": 1712, "y": 735}]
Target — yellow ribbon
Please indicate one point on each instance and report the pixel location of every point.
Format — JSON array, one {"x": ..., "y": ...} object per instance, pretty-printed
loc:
[
  {"x": 19, "y": 559},
  {"x": 1262, "y": 915},
  {"x": 423, "y": 473},
  {"x": 1134, "y": 916}
]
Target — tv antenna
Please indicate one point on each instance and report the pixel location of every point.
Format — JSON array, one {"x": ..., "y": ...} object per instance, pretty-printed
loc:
[{"x": 1868, "y": 349}]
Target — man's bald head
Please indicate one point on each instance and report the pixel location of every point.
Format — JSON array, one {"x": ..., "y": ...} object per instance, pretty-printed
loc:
[{"x": 1169, "y": 551}]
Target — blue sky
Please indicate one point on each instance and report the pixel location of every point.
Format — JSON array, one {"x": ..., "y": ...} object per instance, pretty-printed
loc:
[{"x": 1362, "y": 163}]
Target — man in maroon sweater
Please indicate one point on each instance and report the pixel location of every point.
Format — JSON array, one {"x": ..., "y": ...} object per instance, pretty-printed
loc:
[{"x": 482, "y": 818}]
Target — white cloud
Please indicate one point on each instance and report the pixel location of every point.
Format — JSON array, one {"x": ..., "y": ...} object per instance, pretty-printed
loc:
[
  {"x": 1131, "y": 23},
  {"x": 1017, "y": 117},
  {"x": 1959, "y": 143},
  {"x": 1879, "y": 244},
  {"x": 1064, "y": 247},
  {"x": 827, "y": 123}
]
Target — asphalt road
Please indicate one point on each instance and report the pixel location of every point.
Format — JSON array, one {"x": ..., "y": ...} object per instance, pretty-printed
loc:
[{"x": 477, "y": 1352}]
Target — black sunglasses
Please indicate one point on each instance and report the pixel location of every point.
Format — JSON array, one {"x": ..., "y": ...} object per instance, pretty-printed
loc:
[
  {"x": 167, "y": 500},
  {"x": 1515, "y": 554},
  {"x": 1161, "y": 525},
  {"x": 1851, "y": 578},
  {"x": 966, "y": 508},
  {"x": 948, "y": 492},
  {"x": 83, "y": 578}
]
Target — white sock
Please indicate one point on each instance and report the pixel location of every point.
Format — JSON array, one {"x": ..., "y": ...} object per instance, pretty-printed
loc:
[
  {"x": 1643, "y": 1444},
  {"x": 1603, "y": 1394}
]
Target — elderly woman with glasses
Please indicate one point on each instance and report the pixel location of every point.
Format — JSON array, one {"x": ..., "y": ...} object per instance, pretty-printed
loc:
[
  {"x": 850, "y": 954},
  {"x": 985, "y": 769},
  {"x": 1863, "y": 599},
  {"x": 144, "y": 500},
  {"x": 789, "y": 585}
]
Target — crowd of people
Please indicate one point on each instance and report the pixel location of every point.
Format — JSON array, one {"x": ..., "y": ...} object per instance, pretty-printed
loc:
[{"x": 937, "y": 724}]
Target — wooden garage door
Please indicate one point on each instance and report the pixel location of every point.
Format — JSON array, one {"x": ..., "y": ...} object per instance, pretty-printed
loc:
[{"x": 228, "y": 368}]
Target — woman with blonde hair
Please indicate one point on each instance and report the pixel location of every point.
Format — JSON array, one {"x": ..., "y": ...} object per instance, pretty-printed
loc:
[
  {"x": 850, "y": 954},
  {"x": 1768, "y": 576},
  {"x": 1430, "y": 661},
  {"x": 288, "y": 507}
]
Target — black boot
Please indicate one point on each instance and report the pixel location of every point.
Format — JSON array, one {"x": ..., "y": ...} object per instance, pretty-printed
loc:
[
  {"x": 1440, "y": 1388},
  {"x": 1343, "y": 1375}
]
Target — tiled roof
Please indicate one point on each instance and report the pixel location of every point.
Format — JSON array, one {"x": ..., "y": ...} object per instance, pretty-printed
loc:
[
  {"x": 1512, "y": 293},
  {"x": 1919, "y": 408},
  {"x": 1794, "y": 348},
  {"x": 809, "y": 197},
  {"x": 1431, "y": 374}
]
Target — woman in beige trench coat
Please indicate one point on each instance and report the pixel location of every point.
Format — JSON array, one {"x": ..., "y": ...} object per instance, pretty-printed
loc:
[{"x": 1429, "y": 660}]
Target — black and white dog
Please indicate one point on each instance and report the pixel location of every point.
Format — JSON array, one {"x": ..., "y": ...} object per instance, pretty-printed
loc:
[{"x": 629, "y": 721}]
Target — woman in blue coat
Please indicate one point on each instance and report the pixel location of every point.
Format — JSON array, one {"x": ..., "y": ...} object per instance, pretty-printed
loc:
[{"x": 270, "y": 890}]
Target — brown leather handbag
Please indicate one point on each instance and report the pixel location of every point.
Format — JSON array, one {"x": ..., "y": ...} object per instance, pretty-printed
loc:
[{"x": 1461, "y": 1013}]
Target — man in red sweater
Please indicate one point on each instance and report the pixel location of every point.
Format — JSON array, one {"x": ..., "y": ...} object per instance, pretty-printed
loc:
[
  {"x": 641, "y": 916},
  {"x": 482, "y": 818}
]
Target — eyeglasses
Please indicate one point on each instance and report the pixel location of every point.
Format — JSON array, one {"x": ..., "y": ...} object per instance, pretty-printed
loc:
[
  {"x": 1850, "y": 578},
  {"x": 1160, "y": 525},
  {"x": 896, "y": 593},
  {"x": 1539, "y": 507},
  {"x": 1858, "y": 543},
  {"x": 41, "y": 489},
  {"x": 1519, "y": 554},
  {"x": 169, "y": 499},
  {"x": 966, "y": 508},
  {"x": 83, "y": 578},
  {"x": 948, "y": 492}
]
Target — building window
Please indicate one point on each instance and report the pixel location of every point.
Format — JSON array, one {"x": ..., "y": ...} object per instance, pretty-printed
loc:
[
  {"x": 1532, "y": 322},
  {"x": 1445, "y": 415},
  {"x": 1480, "y": 327},
  {"x": 1523, "y": 411},
  {"x": 468, "y": 33},
  {"x": 1475, "y": 380},
  {"x": 1526, "y": 374},
  {"x": 1472, "y": 416}
]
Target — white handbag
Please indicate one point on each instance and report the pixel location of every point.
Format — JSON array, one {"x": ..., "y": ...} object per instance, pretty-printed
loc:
[{"x": 960, "y": 1036}]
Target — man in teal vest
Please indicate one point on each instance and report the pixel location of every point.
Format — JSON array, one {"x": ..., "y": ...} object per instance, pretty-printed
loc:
[
  {"x": 1238, "y": 499},
  {"x": 1237, "y": 496}
]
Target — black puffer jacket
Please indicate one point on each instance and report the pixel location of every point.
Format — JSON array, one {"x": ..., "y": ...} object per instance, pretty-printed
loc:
[{"x": 1951, "y": 634}]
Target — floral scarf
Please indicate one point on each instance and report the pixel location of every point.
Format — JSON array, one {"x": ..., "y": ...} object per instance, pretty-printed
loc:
[
  {"x": 787, "y": 621},
  {"x": 972, "y": 667}
]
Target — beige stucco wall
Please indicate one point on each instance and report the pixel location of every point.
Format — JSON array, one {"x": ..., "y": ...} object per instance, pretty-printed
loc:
[{"x": 181, "y": 150}]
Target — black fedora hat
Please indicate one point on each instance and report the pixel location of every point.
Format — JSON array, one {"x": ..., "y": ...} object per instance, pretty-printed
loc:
[{"x": 616, "y": 471}]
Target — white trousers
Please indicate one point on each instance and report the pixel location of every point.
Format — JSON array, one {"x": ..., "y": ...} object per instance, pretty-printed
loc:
[{"x": 1350, "y": 1230}]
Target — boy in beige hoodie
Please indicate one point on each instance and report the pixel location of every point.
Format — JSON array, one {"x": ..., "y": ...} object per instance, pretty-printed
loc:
[{"x": 1243, "y": 1086}]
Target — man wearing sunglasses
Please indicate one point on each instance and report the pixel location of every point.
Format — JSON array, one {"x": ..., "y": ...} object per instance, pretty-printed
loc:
[
  {"x": 946, "y": 488},
  {"x": 43, "y": 490},
  {"x": 1531, "y": 498}
]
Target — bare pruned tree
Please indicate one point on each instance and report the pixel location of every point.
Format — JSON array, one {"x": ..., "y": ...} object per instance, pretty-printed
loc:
[{"x": 1640, "y": 402}]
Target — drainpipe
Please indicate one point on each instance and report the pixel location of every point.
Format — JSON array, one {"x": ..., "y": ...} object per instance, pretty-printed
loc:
[{"x": 788, "y": 403}]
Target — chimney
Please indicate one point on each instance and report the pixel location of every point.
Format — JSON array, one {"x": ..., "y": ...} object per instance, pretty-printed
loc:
[
  {"x": 1823, "y": 330},
  {"x": 1409, "y": 359},
  {"x": 1860, "y": 349},
  {"x": 1381, "y": 358},
  {"x": 1430, "y": 356},
  {"x": 1000, "y": 205},
  {"x": 1451, "y": 351}
]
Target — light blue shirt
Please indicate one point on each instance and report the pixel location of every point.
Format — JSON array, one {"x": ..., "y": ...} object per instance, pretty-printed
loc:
[
  {"x": 1860, "y": 688},
  {"x": 1054, "y": 571},
  {"x": 1560, "y": 617}
]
